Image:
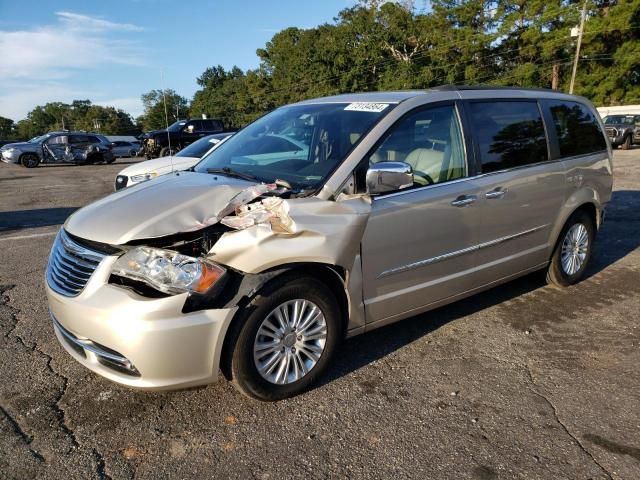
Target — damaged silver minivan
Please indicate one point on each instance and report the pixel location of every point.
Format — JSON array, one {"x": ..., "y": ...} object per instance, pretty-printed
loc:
[{"x": 323, "y": 220}]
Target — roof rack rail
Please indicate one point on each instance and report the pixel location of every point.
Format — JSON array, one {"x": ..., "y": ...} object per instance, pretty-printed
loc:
[{"x": 454, "y": 88}]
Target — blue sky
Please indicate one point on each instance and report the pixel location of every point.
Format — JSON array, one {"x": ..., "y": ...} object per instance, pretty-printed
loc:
[{"x": 113, "y": 51}]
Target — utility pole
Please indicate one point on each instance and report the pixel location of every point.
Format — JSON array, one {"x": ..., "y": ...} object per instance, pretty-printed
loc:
[{"x": 583, "y": 15}]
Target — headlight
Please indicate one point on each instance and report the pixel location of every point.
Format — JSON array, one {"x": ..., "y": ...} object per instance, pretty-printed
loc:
[
  {"x": 144, "y": 177},
  {"x": 9, "y": 150},
  {"x": 168, "y": 271}
]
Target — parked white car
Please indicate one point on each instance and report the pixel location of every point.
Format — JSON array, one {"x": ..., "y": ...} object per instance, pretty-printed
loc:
[{"x": 183, "y": 160}]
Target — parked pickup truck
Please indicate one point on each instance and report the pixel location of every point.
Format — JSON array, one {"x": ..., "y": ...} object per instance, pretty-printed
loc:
[
  {"x": 623, "y": 130},
  {"x": 160, "y": 143}
]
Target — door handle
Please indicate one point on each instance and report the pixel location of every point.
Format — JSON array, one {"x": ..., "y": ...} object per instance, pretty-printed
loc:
[
  {"x": 497, "y": 193},
  {"x": 464, "y": 200}
]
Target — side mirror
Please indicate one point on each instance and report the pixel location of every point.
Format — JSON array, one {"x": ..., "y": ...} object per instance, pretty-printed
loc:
[{"x": 385, "y": 177}]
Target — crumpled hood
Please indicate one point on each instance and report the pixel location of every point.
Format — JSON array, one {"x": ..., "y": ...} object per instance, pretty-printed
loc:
[{"x": 175, "y": 203}]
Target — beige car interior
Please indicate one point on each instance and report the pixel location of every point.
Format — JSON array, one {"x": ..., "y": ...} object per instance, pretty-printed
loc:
[{"x": 429, "y": 141}]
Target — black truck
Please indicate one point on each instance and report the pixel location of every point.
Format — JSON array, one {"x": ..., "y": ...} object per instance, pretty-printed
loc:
[
  {"x": 160, "y": 143},
  {"x": 623, "y": 130}
]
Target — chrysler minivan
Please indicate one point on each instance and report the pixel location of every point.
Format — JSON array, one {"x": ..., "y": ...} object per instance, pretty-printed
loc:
[{"x": 263, "y": 256}]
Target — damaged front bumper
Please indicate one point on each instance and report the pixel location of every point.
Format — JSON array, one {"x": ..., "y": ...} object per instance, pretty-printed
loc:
[{"x": 146, "y": 343}]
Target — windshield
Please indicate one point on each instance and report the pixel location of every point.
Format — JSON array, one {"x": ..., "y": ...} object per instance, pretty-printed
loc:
[
  {"x": 199, "y": 148},
  {"x": 301, "y": 144},
  {"x": 623, "y": 119},
  {"x": 39, "y": 139},
  {"x": 176, "y": 127}
]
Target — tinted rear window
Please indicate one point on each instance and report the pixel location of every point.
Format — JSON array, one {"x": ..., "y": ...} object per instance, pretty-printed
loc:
[
  {"x": 508, "y": 134},
  {"x": 577, "y": 129}
]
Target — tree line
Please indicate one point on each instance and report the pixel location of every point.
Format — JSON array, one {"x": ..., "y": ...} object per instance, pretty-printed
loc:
[{"x": 378, "y": 45}]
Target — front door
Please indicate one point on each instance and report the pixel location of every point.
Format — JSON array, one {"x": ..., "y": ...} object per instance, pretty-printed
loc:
[{"x": 418, "y": 246}]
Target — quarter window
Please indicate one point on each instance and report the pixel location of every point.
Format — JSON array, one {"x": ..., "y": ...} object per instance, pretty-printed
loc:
[
  {"x": 577, "y": 129},
  {"x": 508, "y": 134},
  {"x": 430, "y": 140}
]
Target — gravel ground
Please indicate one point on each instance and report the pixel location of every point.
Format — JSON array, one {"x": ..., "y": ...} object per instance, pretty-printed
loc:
[{"x": 522, "y": 381}]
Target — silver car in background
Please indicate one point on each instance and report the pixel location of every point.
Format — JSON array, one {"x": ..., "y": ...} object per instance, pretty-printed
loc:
[{"x": 269, "y": 252}]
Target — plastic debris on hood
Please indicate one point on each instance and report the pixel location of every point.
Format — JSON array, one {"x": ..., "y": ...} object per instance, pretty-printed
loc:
[
  {"x": 271, "y": 210},
  {"x": 244, "y": 197}
]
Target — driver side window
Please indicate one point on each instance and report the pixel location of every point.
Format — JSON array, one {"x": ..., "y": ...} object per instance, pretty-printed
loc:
[{"x": 430, "y": 140}]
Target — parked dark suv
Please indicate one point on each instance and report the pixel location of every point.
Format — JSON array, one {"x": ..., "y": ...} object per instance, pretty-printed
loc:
[
  {"x": 59, "y": 147},
  {"x": 160, "y": 143},
  {"x": 623, "y": 130}
]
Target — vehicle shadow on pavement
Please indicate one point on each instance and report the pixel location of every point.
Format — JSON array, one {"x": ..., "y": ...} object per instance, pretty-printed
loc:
[
  {"x": 620, "y": 232},
  {"x": 619, "y": 236},
  {"x": 359, "y": 351},
  {"x": 39, "y": 217}
]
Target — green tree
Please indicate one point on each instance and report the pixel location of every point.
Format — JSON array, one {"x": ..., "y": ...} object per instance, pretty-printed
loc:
[
  {"x": 6, "y": 128},
  {"x": 177, "y": 108}
]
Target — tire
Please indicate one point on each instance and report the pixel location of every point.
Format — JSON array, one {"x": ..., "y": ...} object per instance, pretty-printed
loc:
[
  {"x": 626, "y": 145},
  {"x": 579, "y": 227},
  {"x": 30, "y": 160},
  {"x": 166, "y": 151},
  {"x": 111, "y": 160},
  {"x": 284, "y": 293}
]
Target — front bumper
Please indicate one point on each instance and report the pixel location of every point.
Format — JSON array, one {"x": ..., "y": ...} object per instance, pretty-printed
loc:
[
  {"x": 153, "y": 345},
  {"x": 13, "y": 157},
  {"x": 616, "y": 141}
]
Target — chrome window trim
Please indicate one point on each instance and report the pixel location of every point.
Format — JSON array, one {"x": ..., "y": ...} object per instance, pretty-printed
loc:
[
  {"x": 474, "y": 177},
  {"x": 456, "y": 253}
]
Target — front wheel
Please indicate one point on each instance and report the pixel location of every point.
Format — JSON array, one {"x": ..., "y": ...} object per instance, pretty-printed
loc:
[
  {"x": 166, "y": 151},
  {"x": 289, "y": 332},
  {"x": 573, "y": 250},
  {"x": 30, "y": 160}
]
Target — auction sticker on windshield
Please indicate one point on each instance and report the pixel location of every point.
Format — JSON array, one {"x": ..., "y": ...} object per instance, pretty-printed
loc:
[{"x": 366, "y": 107}]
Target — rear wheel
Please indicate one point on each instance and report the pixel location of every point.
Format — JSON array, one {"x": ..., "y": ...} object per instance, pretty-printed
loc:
[
  {"x": 573, "y": 250},
  {"x": 30, "y": 160},
  {"x": 626, "y": 145},
  {"x": 287, "y": 338}
]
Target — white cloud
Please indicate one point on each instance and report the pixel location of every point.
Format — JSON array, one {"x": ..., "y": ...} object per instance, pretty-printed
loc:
[
  {"x": 17, "y": 100},
  {"x": 75, "y": 42},
  {"x": 77, "y": 21},
  {"x": 34, "y": 62}
]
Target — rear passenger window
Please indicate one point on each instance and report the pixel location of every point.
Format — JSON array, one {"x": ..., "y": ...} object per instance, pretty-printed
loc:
[
  {"x": 577, "y": 129},
  {"x": 509, "y": 134}
]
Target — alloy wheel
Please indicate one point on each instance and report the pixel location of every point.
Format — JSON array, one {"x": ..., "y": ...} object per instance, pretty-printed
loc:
[
  {"x": 575, "y": 247},
  {"x": 290, "y": 341}
]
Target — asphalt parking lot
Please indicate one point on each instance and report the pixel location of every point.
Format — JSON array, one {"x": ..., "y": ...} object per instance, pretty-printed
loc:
[{"x": 523, "y": 381}]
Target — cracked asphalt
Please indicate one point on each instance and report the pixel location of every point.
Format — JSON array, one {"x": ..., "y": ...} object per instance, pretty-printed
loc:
[{"x": 524, "y": 381}]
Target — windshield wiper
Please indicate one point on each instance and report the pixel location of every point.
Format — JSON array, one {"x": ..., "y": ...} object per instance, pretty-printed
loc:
[{"x": 233, "y": 173}]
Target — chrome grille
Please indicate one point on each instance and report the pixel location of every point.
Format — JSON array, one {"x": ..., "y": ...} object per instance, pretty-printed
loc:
[
  {"x": 70, "y": 265},
  {"x": 612, "y": 132}
]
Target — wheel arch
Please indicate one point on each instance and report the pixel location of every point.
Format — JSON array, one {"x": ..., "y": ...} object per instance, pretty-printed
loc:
[
  {"x": 586, "y": 200},
  {"x": 332, "y": 276}
]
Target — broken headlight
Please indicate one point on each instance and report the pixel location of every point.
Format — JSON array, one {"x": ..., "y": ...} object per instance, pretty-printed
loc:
[{"x": 168, "y": 271}]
